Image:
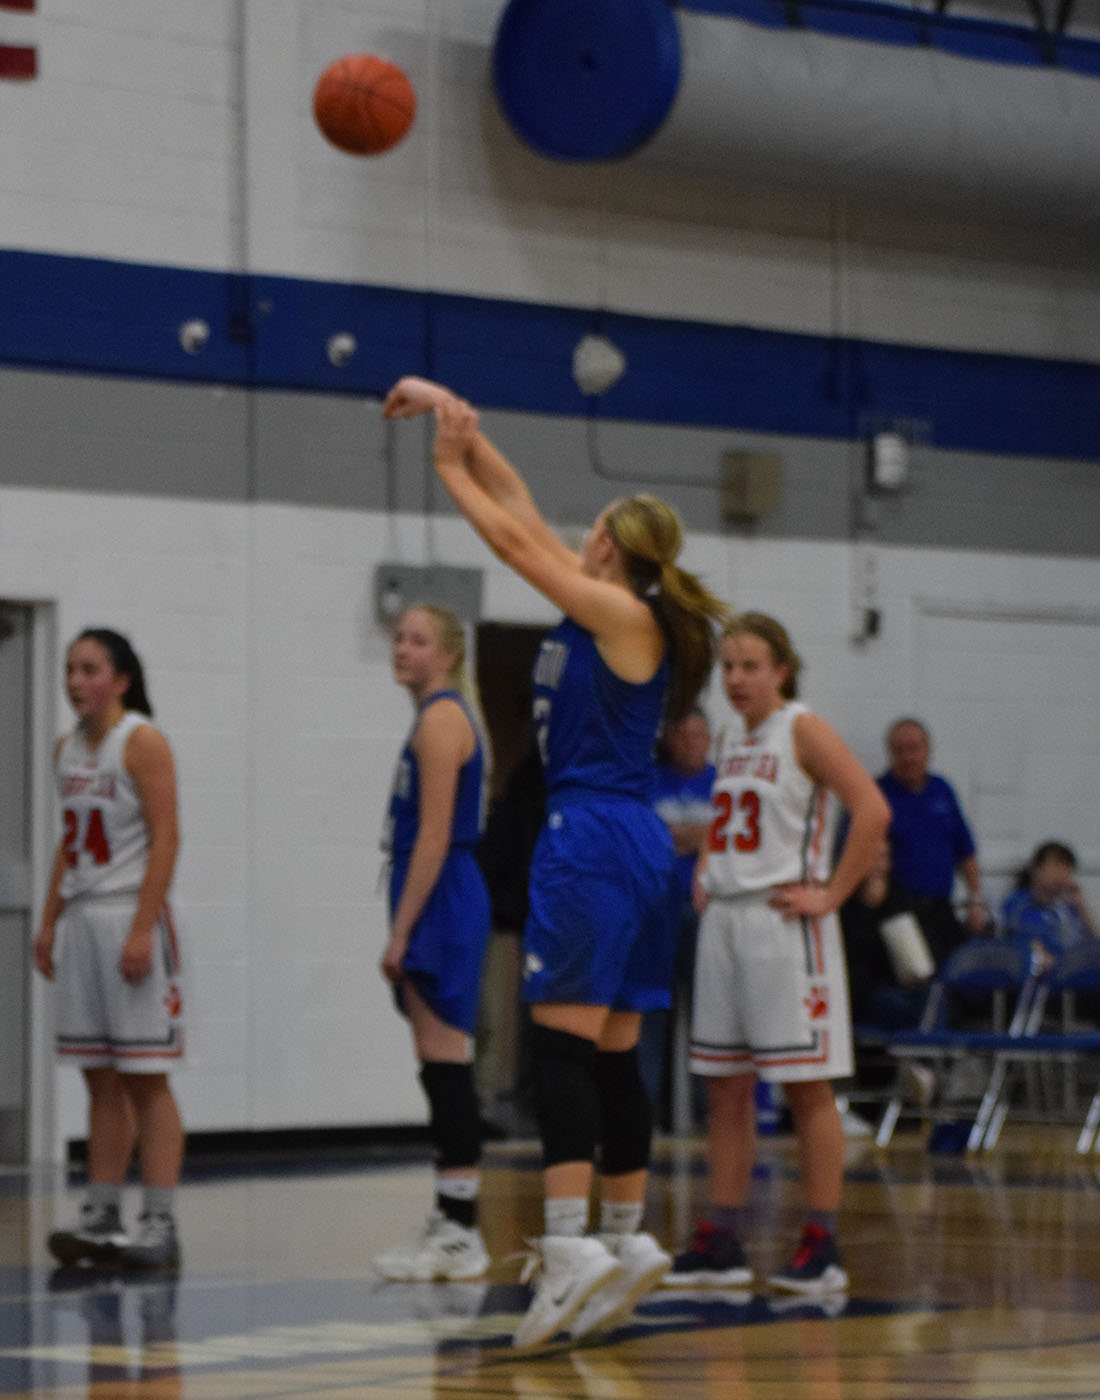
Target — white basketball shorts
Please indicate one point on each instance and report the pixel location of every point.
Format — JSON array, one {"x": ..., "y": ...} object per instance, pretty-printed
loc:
[
  {"x": 102, "y": 1019},
  {"x": 771, "y": 994}
]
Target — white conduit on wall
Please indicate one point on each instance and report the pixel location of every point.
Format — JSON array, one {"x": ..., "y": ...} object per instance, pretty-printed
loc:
[
  {"x": 844, "y": 117},
  {"x": 854, "y": 118}
]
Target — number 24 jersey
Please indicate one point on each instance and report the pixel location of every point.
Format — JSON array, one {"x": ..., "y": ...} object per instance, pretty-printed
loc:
[
  {"x": 771, "y": 823},
  {"x": 103, "y": 826}
]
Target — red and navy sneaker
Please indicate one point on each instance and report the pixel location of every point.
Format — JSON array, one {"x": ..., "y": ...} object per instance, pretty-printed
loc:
[
  {"x": 714, "y": 1259},
  {"x": 815, "y": 1267}
]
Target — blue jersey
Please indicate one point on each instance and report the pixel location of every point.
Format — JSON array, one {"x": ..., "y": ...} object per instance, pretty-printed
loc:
[
  {"x": 596, "y": 732},
  {"x": 599, "y": 930},
  {"x": 1058, "y": 926},
  {"x": 447, "y": 942},
  {"x": 404, "y": 812},
  {"x": 929, "y": 836}
]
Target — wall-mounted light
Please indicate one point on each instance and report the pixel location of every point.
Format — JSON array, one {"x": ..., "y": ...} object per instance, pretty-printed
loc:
[
  {"x": 340, "y": 348},
  {"x": 597, "y": 364},
  {"x": 389, "y": 597},
  {"x": 193, "y": 335},
  {"x": 889, "y": 461}
]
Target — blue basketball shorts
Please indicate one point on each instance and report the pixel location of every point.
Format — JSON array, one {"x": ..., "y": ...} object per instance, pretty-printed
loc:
[
  {"x": 448, "y": 941},
  {"x": 604, "y": 913}
]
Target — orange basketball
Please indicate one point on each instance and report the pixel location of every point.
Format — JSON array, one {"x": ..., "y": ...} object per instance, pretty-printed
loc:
[{"x": 364, "y": 104}]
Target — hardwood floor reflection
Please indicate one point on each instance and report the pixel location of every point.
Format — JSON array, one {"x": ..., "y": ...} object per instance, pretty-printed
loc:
[{"x": 969, "y": 1278}]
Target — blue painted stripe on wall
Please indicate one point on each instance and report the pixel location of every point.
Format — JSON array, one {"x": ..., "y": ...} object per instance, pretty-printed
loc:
[
  {"x": 965, "y": 36},
  {"x": 89, "y": 315}
]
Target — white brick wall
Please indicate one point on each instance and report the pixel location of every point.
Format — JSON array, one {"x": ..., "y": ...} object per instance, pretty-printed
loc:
[
  {"x": 272, "y": 680},
  {"x": 140, "y": 140}
]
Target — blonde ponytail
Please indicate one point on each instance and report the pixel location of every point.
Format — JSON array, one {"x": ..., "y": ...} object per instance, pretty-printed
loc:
[
  {"x": 649, "y": 536},
  {"x": 691, "y": 613}
]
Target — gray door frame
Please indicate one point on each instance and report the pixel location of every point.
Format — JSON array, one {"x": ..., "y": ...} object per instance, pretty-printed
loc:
[{"x": 31, "y": 1127}]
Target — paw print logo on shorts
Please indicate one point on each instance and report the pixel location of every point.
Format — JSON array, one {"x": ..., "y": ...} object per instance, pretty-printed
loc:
[{"x": 817, "y": 1003}]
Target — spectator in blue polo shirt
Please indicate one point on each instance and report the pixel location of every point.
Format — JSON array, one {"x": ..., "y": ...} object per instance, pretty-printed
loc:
[{"x": 931, "y": 841}]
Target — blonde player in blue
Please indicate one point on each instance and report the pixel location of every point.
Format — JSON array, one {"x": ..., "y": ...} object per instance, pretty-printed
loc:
[
  {"x": 439, "y": 927},
  {"x": 770, "y": 980},
  {"x": 106, "y": 935},
  {"x": 635, "y": 645}
]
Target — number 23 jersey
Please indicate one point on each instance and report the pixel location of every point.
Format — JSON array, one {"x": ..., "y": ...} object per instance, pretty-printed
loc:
[{"x": 772, "y": 824}]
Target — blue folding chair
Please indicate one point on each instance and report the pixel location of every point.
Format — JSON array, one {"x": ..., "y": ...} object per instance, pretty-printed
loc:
[
  {"x": 988, "y": 968},
  {"x": 1076, "y": 971}
]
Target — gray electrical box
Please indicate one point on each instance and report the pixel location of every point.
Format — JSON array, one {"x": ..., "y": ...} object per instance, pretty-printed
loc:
[
  {"x": 751, "y": 484},
  {"x": 446, "y": 585}
]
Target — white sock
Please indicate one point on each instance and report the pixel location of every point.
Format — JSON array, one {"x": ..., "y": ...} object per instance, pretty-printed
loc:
[
  {"x": 103, "y": 1193},
  {"x": 621, "y": 1217},
  {"x": 157, "y": 1200},
  {"x": 566, "y": 1216},
  {"x": 458, "y": 1188}
]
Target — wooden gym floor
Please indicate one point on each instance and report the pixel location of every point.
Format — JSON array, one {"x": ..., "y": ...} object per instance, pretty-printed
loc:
[{"x": 970, "y": 1278}]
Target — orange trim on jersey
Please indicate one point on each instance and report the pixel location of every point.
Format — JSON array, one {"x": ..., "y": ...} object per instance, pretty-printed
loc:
[
  {"x": 819, "y": 1057},
  {"x": 173, "y": 940},
  {"x": 722, "y": 1057},
  {"x": 817, "y": 948},
  {"x": 817, "y": 826}
]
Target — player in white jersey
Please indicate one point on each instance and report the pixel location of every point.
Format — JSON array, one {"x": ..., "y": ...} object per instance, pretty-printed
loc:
[
  {"x": 106, "y": 938},
  {"x": 771, "y": 988}
]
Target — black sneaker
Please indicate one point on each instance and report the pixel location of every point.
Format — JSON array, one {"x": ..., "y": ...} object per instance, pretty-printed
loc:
[
  {"x": 156, "y": 1245},
  {"x": 815, "y": 1267},
  {"x": 156, "y": 1308},
  {"x": 714, "y": 1259},
  {"x": 96, "y": 1239}
]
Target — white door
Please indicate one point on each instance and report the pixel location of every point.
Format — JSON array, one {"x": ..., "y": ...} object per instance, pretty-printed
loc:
[
  {"x": 1013, "y": 702},
  {"x": 15, "y": 879}
]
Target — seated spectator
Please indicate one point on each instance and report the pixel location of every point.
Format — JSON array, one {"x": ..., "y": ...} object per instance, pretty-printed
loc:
[
  {"x": 1047, "y": 911},
  {"x": 881, "y": 995},
  {"x": 685, "y": 777},
  {"x": 883, "y": 991}
]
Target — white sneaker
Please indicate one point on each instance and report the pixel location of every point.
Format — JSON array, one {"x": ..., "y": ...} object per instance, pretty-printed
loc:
[
  {"x": 570, "y": 1270},
  {"x": 446, "y": 1250},
  {"x": 644, "y": 1265}
]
